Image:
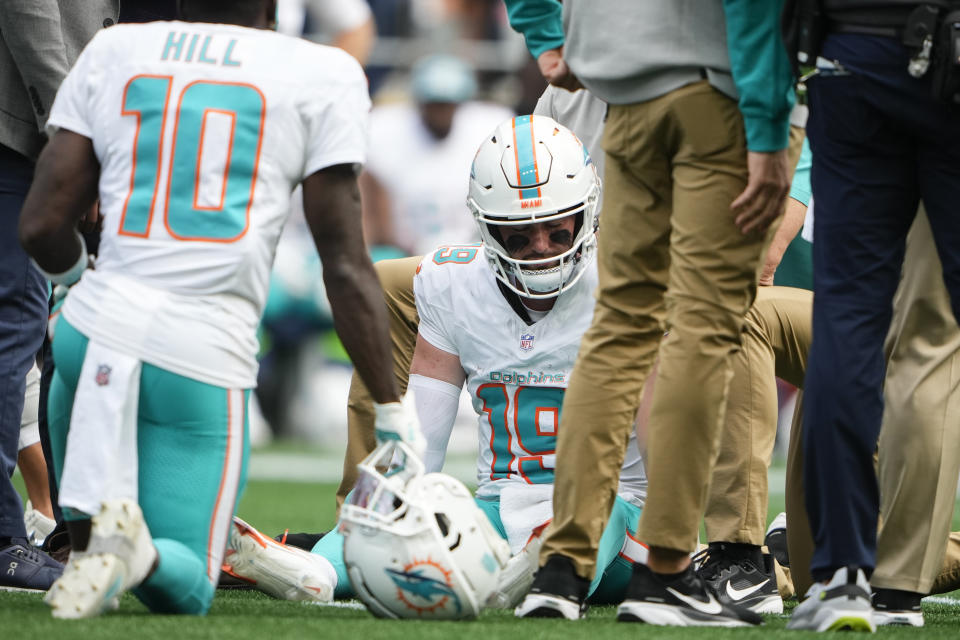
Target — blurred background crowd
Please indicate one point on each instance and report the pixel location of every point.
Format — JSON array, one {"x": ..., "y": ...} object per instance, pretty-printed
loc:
[{"x": 442, "y": 73}]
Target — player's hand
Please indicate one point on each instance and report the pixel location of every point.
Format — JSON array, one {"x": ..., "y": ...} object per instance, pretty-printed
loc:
[
  {"x": 398, "y": 421},
  {"x": 555, "y": 70},
  {"x": 92, "y": 220},
  {"x": 761, "y": 202}
]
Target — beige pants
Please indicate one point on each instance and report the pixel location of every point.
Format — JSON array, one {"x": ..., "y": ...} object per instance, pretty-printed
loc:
[
  {"x": 776, "y": 339},
  {"x": 669, "y": 256},
  {"x": 736, "y": 508},
  {"x": 918, "y": 459}
]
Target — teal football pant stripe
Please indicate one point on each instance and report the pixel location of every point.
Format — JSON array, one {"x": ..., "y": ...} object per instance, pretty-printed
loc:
[
  {"x": 613, "y": 570},
  {"x": 192, "y": 457}
]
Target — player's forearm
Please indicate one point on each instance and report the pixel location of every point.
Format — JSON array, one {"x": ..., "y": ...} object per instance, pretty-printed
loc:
[
  {"x": 360, "y": 318},
  {"x": 63, "y": 189},
  {"x": 788, "y": 230}
]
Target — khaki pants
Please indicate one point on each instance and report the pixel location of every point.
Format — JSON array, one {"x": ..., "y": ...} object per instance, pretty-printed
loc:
[
  {"x": 669, "y": 255},
  {"x": 775, "y": 344},
  {"x": 736, "y": 508},
  {"x": 918, "y": 456},
  {"x": 396, "y": 278}
]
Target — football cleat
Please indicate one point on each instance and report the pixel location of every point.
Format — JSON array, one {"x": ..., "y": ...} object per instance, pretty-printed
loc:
[
  {"x": 776, "y": 539},
  {"x": 557, "y": 592},
  {"x": 842, "y": 604},
  {"x": 740, "y": 575},
  {"x": 120, "y": 556},
  {"x": 892, "y": 607},
  {"x": 277, "y": 569}
]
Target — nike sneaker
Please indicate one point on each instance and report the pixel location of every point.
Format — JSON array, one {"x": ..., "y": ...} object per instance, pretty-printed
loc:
[
  {"x": 277, "y": 569},
  {"x": 776, "y": 539},
  {"x": 557, "y": 592},
  {"x": 681, "y": 600},
  {"x": 895, "y": 607},
  {"x": 842, "y": 604},
  {"x": 739, "y": 574},
  {"x": 119, "y": 556}
]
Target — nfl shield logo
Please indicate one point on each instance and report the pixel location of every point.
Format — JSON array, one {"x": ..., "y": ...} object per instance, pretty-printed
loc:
[
  {"x": 103, "y": 375},
  {"x": 526, "y": 342}
]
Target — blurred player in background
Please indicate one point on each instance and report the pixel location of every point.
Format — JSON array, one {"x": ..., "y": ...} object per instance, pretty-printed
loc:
[
  {"x": 346, "y": 24},
  {"x": 195, "y": 135},
  {"x": 413, "y": 186}
]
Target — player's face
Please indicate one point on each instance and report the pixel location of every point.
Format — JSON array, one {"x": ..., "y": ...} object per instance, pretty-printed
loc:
[{"x": 539, "y": 240}]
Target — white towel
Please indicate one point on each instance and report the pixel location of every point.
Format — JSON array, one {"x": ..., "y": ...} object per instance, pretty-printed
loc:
[
  {"x": 100, "y": 462},
  {"x": 523, "y": 508}
]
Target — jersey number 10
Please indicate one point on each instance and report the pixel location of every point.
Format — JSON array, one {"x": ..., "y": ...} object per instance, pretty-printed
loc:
[{"x": 147, "y": 98}]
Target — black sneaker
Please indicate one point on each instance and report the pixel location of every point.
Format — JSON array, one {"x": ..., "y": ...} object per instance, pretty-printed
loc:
[
  {"x": 895, "y": 607},
  {"x": 679, "y": 601},
  {"x": 740, "y": 575},
  {"x": 57, "y": 545},
  {"x": 776, "y": 539},
  {"x": 557, "y": 592},
  {"x": 23, "y": 567}
]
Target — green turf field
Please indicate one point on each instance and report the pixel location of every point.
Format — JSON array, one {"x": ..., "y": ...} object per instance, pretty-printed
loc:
[{"x": 275, "y": 505}]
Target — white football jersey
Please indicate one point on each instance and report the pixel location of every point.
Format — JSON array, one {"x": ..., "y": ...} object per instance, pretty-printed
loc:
[
  {"x": 202, "y": 131},
  {"x": 516, "y": 373},
  {"x": 424, "y": 177}
]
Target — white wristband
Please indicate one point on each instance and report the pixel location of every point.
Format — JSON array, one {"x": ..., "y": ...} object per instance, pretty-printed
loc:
[{"x": 71, "y": 275}]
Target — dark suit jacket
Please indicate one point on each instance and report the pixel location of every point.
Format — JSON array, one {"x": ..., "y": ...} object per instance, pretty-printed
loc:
[{"x": 39, "y": 41}]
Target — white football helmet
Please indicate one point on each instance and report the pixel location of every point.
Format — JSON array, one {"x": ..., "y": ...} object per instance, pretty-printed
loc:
[
  {"x": 422, "y": 551},
  {"x": 532, "y": 169}
]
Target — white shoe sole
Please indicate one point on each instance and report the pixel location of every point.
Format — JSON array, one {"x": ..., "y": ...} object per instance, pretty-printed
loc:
[
  {"x": 119, "y": 557},
  {"x": 898, "y": 618},
  {"x": 88, "y": 587},
  {"x": 669, "y": 615},
  {"x": 540, "y": 605},
  {"x": 772, "y": 604},
  {"x": 281, "y": 571},
  {"x": 836, "y": 620}
]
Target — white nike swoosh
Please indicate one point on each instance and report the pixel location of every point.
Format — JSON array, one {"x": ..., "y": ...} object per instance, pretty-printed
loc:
[
  {"x": 740, "y": 594},
  {"x": 712, "y": 607}
]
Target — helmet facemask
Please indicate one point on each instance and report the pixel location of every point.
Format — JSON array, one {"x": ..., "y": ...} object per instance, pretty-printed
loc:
[
  {"x": 532, "y": 170},
  {"x": 530, "y": 278}
]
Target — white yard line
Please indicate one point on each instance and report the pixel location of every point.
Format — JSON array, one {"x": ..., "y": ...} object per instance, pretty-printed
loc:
[{"x": 339, "y": 604}]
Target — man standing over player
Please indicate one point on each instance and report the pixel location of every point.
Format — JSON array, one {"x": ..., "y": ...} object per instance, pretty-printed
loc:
[
  {"x": 195, "y": 133},
  {"x": 505, "y": 318}
]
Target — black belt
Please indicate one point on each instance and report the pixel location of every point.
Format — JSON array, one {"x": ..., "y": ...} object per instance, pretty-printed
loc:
[{"x": 868, "y": 30}]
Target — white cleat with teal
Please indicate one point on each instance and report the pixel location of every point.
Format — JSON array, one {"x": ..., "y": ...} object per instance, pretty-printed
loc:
[{"x": 119, "y": 557}]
